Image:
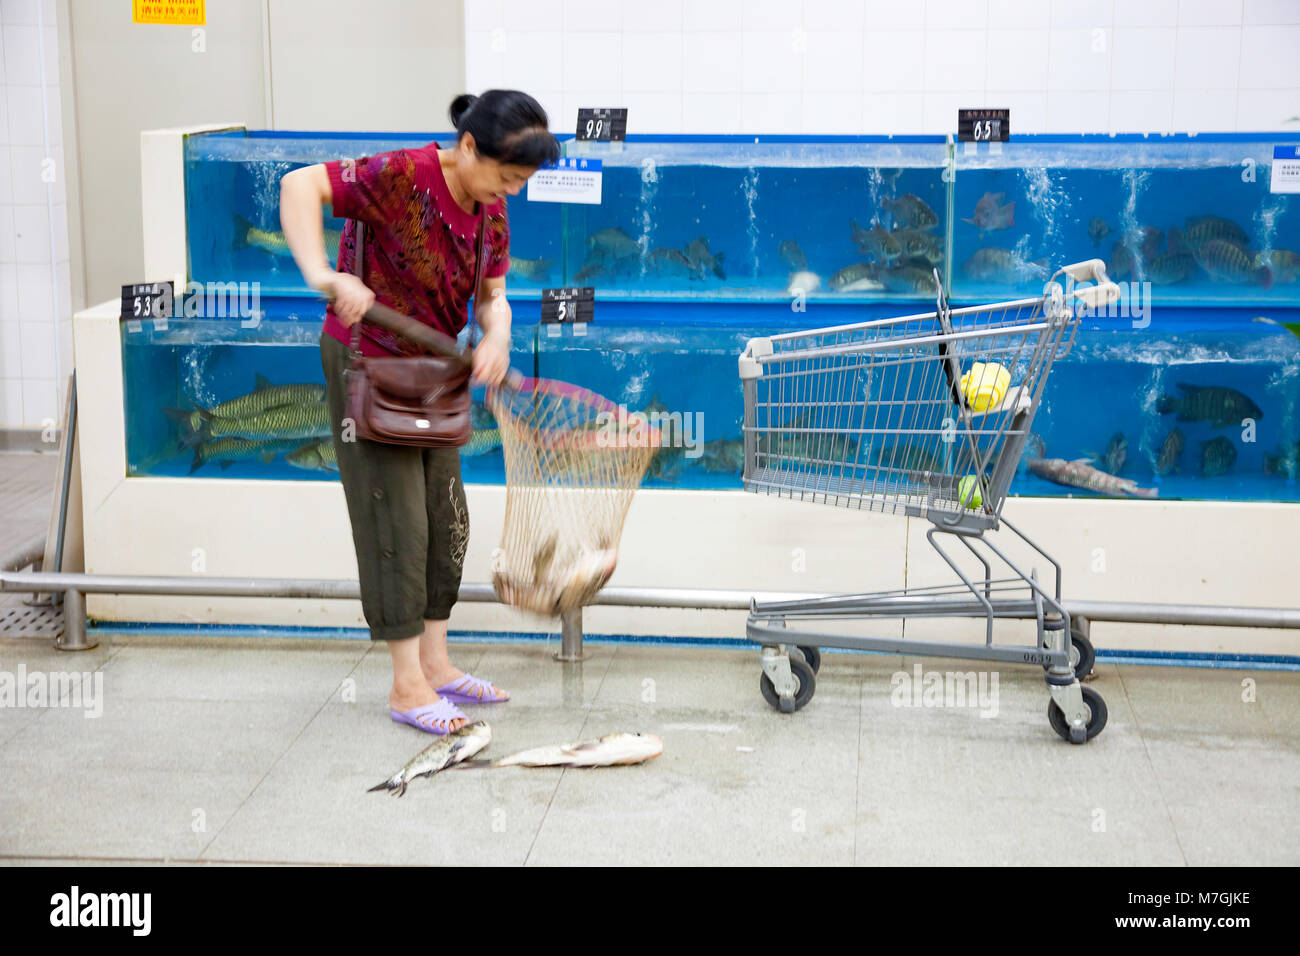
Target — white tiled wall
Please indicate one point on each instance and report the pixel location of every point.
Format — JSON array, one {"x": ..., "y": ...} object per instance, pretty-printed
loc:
[
  {"x": 35, "y": 313},
  {"x": 896, "y": 66}
]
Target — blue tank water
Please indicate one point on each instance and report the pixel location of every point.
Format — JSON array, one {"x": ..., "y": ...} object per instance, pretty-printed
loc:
[{"x": 698, "y": 241}]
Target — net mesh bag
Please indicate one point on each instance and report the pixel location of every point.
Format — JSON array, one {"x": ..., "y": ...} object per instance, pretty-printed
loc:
[{"x": 573, "y": 462}]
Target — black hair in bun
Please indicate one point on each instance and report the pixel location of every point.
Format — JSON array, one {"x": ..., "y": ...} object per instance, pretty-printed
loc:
[{"x": 507, "y": 125}]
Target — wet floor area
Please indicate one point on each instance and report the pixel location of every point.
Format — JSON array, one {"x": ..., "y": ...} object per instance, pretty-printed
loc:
[{"x": 262, "y": 750}]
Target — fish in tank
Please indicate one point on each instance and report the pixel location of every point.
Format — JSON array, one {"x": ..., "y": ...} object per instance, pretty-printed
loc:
[
  {"x": 212, "y": 398},
  {"x": 232, "y": 199},
  {"x": 1207, "y": 410},
  {"x": 755, "y": 221},
  {"x": 699, "y": 245},
  {"x": 1191, "y": 221}
]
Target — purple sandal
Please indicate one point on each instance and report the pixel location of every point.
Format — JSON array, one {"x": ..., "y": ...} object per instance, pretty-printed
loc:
[
  {"x": 465, "y": 690},
  {"x": 424, "y": 718}
]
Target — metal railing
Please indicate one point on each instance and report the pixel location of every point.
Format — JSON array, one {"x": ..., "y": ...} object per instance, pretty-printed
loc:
[{"x": 74, "y": 588}]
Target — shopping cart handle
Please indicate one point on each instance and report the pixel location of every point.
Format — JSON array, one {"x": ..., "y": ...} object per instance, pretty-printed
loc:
[
  {"x": 1088, "y": 269},
  {"x": 1097, "y": 296}
]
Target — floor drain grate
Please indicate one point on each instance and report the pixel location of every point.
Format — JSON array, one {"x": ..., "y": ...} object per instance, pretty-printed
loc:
[{"x": 23, "y": 621}]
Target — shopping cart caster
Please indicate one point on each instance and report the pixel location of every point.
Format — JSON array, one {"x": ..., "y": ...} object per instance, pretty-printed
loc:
[
  {"x": 1082, "y": 654},
  {"x": 813, "y": 656},
  {"x": 1086, "y": 708},
  {"x": 788, "y": 680}
]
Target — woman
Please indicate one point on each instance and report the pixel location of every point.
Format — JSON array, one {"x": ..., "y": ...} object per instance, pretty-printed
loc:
[{"x": 421, "y": 208}]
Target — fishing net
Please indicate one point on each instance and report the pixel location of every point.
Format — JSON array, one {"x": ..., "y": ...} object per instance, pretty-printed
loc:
[{"x": 573, "y": 462}]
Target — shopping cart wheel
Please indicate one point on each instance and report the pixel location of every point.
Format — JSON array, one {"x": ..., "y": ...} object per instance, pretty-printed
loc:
[
  {"x": 1082, "y": 655},
  {"x": 1096, "y": 716},
  {"x": 813, "y": 656},
  {"x": 804, "y": 677}
]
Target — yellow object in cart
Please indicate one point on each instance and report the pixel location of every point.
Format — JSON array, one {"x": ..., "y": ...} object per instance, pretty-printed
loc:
[{"x": 985, "y": 385}]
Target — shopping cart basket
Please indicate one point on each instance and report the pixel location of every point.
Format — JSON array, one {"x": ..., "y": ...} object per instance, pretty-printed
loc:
[{"x": 926, "y": 416}]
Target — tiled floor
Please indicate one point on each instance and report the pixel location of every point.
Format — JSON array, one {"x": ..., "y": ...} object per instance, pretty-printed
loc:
[
  {"x": 263, "y": 750},
  {"x": 242, "y": 750},
  {"x": 26, "y": 496}
]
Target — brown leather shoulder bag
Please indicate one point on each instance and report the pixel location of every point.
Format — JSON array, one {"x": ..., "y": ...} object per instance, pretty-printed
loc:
[{"x": 411, "y": 400}]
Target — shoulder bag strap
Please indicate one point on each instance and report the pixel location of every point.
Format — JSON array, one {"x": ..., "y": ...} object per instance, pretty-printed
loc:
[
  {"x": 358, "y": 270},
  {"x": 478, "y": 270}
]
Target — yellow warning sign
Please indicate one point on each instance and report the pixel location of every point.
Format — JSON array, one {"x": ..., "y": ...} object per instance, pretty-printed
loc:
[{"x": 185, "y": 12}]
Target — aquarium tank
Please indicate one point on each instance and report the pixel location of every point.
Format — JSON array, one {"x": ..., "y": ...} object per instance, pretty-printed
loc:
[{"x": 1185, "y": 389}]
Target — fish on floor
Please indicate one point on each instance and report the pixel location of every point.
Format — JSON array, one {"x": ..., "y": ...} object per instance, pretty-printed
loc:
[
  {"x": 446, "y": 751},
  {"x": 608, "y": 751}
]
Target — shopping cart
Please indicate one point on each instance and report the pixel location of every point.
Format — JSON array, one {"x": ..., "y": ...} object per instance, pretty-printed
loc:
[{"x": 898, "y": 416}]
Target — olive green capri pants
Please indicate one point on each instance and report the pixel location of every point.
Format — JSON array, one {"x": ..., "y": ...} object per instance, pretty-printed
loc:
[{"x": 409, "y": 520}]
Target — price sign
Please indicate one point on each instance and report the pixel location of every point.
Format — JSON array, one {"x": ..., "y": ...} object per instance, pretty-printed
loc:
[
  {"x": 576, "y": 305},
  {"x": 571, "y": 179},
  {"x": 149, "y": 300},
  {"x": 983, "y": 126},
  {"x": 602, "y": 124},
  {"x": 1285, "y": 177}
]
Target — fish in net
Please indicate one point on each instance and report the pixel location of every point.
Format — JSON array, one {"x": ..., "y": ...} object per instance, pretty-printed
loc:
[{"x": 573, "y": 462}]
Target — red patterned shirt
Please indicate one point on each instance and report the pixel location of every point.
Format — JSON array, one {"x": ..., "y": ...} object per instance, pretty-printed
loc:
[{"x": 419, "y": 255}]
